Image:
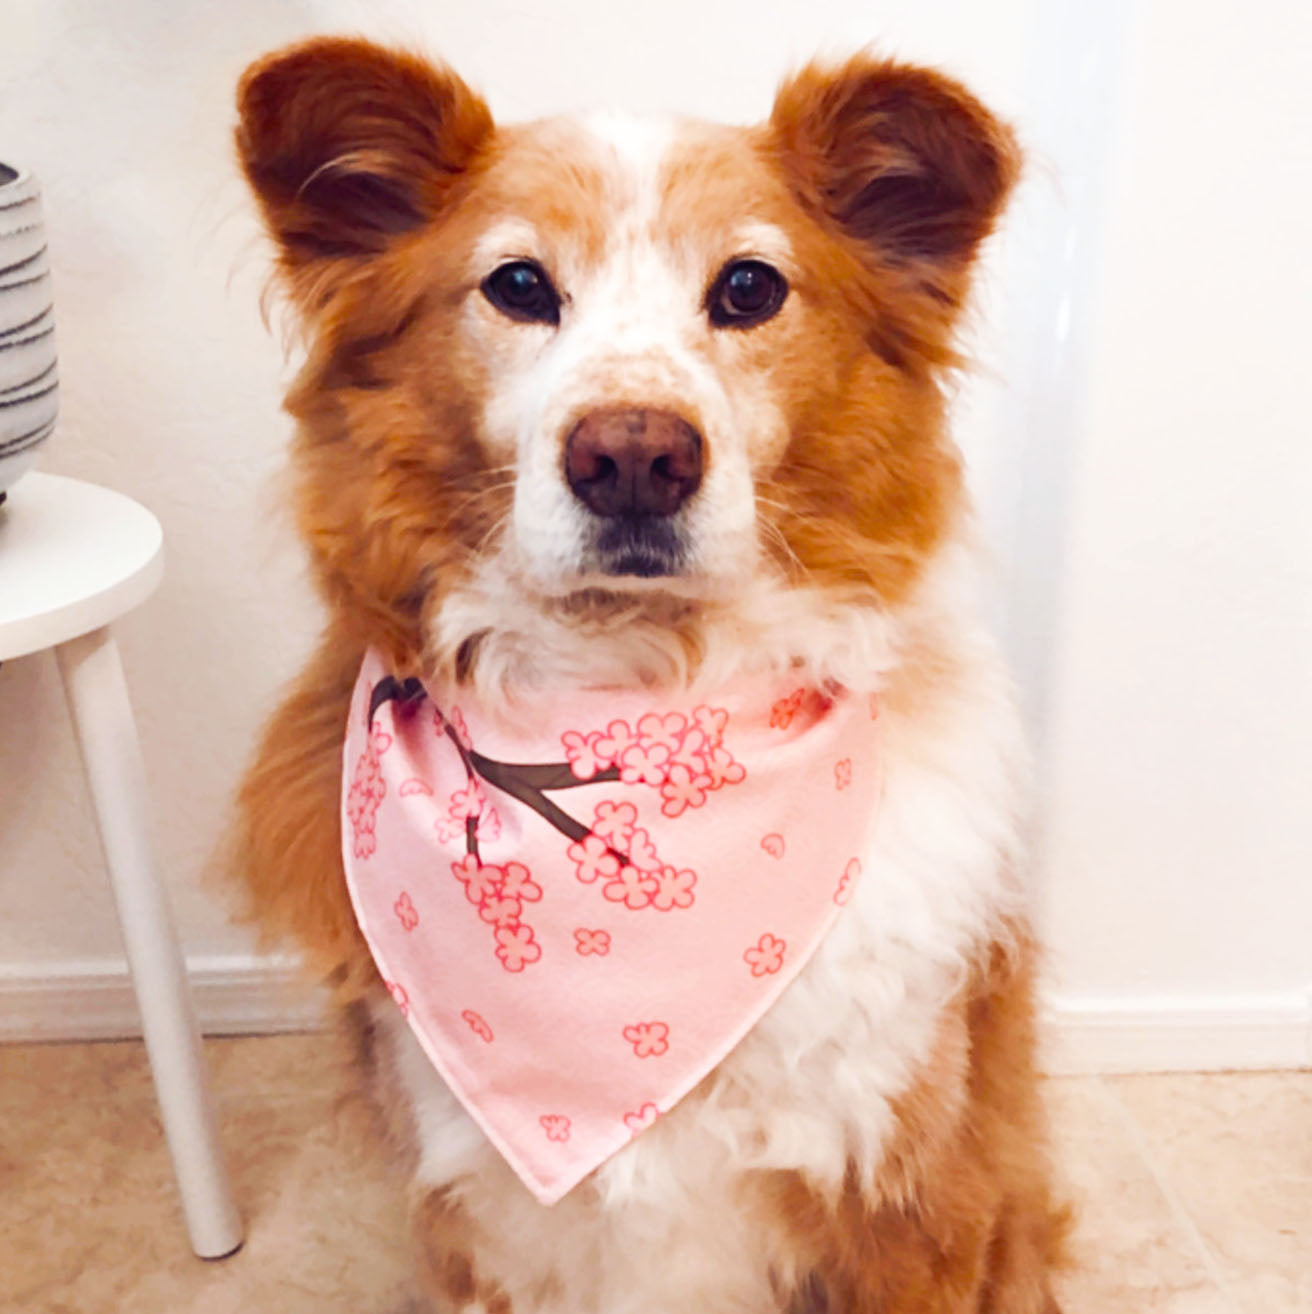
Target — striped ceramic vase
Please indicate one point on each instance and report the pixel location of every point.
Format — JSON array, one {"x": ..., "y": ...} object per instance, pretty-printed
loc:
[{"x": 29, "y": 383}]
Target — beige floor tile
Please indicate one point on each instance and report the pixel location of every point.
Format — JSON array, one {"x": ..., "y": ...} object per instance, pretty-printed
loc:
[
  {"x": 1236, "y": 1150},
  {"x": 1132, "y": 1254},
  {"x": 90, "y": 1220}
]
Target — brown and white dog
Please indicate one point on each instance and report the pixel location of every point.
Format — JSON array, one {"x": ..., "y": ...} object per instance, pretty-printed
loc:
[{"x": 608, "y": 401}]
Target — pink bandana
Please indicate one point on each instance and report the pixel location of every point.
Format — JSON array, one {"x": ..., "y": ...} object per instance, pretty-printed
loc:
[{"x": 582, "y": 915}]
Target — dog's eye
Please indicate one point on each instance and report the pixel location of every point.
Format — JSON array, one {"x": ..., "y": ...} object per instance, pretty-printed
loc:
[
  {"x": 523, "y": 291},
  {"x": 746, "y": 293}
]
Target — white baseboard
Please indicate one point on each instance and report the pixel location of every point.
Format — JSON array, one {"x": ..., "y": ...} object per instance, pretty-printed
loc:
[
  {"x": 235, "y": 994},
  {"x": 249, "y": 994},
  {"x": 1177, "y": 1034}
]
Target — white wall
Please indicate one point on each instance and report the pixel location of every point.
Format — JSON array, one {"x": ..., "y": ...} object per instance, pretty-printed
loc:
[
  {"x": 1179, "y": 856},
  {"x": 171, "y": 386}
]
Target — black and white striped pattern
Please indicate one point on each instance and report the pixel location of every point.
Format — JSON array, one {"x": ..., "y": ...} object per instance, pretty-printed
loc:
[{"x": 29, "y": 381}]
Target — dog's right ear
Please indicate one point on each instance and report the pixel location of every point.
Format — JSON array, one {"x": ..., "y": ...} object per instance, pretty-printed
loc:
[{"x": 348, "y": 145}]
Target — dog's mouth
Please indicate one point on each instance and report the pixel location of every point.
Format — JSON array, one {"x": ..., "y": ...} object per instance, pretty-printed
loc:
[{"x": 643, "y": 546}]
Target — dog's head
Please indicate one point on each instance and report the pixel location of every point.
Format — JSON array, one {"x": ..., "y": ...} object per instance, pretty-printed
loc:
[{"x": 613, "y": 359}]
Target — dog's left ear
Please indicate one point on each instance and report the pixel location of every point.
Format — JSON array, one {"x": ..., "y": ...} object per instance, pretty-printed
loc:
[
  {"x": 348, "y": 145},
  {"x": 901, "y": 159}
]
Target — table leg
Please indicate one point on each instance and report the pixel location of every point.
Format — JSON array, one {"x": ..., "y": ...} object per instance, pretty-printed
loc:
[{"x": 102, "y": 716}]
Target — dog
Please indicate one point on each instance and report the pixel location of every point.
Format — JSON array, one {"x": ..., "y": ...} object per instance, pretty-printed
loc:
[{"x": 604, "y": 403}]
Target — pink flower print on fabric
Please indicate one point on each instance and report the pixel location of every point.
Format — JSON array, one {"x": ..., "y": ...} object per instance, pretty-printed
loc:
[
  {"x": 500, "y": 911},
  {"x": 673, "y": 889},
  {"x": 782, "y": 713},
  {"x": 682, "y": 790},
  {"x": 593, "y": 859},
  {"x": 843, "y": 773},
  {"x": 588, "y": 942},
  {"x": 399, "y": 996},
  {"x": 845, "y": 882},
  {"x": 766, "y": 956},
  {"x": 640, "y": 1119},
  {"x": 663, "y": 731},
  {"x": 615, "y": 741},
  {"x": 516, "y": 947},
  {"x": 367, "y": 791},
  {"x": 614, "y": 823},
  {"x": 414, "y": 786},
  {"x": 632, "y": 888},
  {"x": 711, "y": 721},
  {"x": 405, "y": 912},
  {"x": 649, "y": 1039},
  {"x": 642, "y": 852},
  {"x": 468, "y": 802},
  {"x": 478, "y": 1026},
  {"x": 517, "y": 883},
  {"x": 582, "y": 755},
  {"x": 556, "y": 1125},
  {"x": 644, "y": 764},
  {"x": 721, "y": 769},
  {"x": 671, "y": 903},
  {"x": 481, "y": 882}
]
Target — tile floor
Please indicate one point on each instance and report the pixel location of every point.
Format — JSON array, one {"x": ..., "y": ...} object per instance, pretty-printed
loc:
[{"x": 1195, "y": 1191}]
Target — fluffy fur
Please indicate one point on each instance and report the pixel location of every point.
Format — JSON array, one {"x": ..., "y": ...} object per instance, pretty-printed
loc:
[{"x": 874, "y": 1146}]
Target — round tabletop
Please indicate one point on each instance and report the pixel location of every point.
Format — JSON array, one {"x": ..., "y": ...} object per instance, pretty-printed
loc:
[{"x": 73, "y": 557}]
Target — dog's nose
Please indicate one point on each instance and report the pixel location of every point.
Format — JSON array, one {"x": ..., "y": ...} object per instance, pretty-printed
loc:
[{"x": 633, "y": 462}]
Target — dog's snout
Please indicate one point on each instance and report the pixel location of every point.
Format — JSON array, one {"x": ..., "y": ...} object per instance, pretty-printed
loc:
[{"x": 633, "y": 462}]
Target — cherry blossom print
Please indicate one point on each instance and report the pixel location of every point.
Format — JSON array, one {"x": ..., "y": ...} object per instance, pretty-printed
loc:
[
  {"x": 846, "y": 881},
  {"x": 682, "y": 790},
  {"x": 843, "y": 773},
  {"x": 489, "y": 824},
  {"x": 588, "y": 943},
  {"x": 673, "y": 889},
  {"x": 457, "y": 723},
  {"x": 516, "y": 947},
  {"x": 766, "y": 956},
  {"x": 782, "y": 713},
  {"x": 665, "y": 730},
  {"x": 614, "y": 822},
  {"x": 644, "y": 764},
  {"x": 480, "y": 880},
  {"x": 773, "y": 844},
  {"x": 632, "y": 888},
  {"x": 556, "y": 1125},
  {"x": 399, "y": 996},
  {"x": 640, "y": 1119},
  {"x": 468, "y": 802},
  {"x": 500, "y": 911},
  {"x": 406, "y": 912},
  {"x": 448, "y": 830},
  {"x": 478, "y": 1026},
  {"x": 649, "y": 1039},
  {"x": 722, "y": 769},
  {"x": 517, "y": 883},
  {"x": 414, "y": 786},
  {"x": 691, "y": 752},
  {"x": 642, "y": 852},
  {"x": 592, "y": 858},
  {"x": 711, "y": 721},
  {"x": 616, "y": 740},
  {"x": 367, "y": 791},
  {"x": 582, "y": 755}
]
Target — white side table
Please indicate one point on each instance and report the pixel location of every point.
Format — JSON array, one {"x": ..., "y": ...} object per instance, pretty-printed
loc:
[{"x": 73, "y": 558}]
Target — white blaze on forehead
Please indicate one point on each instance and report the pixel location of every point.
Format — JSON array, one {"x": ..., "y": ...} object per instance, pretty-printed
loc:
[{"x": 638, "y": 148}]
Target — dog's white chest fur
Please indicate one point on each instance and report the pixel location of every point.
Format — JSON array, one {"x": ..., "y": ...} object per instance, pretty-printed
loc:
[{"x": 810, "y": 1088}]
